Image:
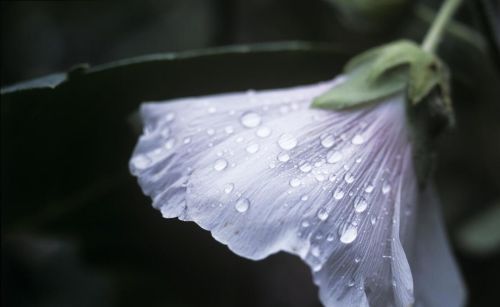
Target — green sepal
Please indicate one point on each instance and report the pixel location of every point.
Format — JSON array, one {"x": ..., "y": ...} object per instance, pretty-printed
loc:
[{"x": 384, "y": 71}]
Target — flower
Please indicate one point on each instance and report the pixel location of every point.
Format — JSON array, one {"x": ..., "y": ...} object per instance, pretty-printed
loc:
[{"x": 265, "y": 173}]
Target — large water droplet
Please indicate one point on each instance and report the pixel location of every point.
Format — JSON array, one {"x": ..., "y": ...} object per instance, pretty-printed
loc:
[
  {"x": 295, "y": 182},
  {"x": 250, "y": 119},
  {"x": 283, "y": 157},
  {"x": 349, "y": 178},
  {"x": 338, "y": 194},
  {"x": 358, "y": 139},
  {"x": 228, "y": 188},
  {"x": 306, "y": 167},
  {"x": 287, "y": 141},
  {"x": 220, "y": 164},
  {"x": 360, "y": 205},
  {"x": 327, "y": 141},
  {"x": 263, "y": 132},
  {"x": 252, "y": 148},
  {"x": 322, "y": 214},
  {"x": 349, "y": 234},
  {"x": 242, "y": 205},
  {"x": 333, "y": 156}
]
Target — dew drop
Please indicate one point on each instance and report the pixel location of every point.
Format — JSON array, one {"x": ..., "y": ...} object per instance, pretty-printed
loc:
[
  {"x": 165, "y": 132},
  {"x": 327, "y": 141},
  {"x": 338, "y": 194},
  {"x": 250, "y": 119},
  {"x": 253, "y": 148},
  {"x": 141, "y": 162},
  {"x": 305, "y": 224},
  {"x": 306, "y": 167},
  {"x": 212, "y": 110},
  {"x": 287, "y": 141},
  {"x": 187, "y": 140},
  {"x": 322, "y": 214},
  {"x": 357, "y": 259},
  {"x": 330, "y": 237},
  {"x": 349, "y": 235},
  {"x": 360, "y": 205},
  {"x": 229, "y": 129},
  {"x": 242, "y": 205},
  {"x": 369, "y": 189},
  {"x": 304, "y": 197},
  {"x": 333, "y": 156},
  {"x": 210, "y": 131},
  {"x": 263, "y": 132},
  {"x": 315, "y": 251},
  {"x": 170, "y": 143},
  {"x": 373, "y": 220},
  {"x": 272, "y": 165},
  {"x": 295, "y": 182},
  {"x": 169, "y": 117},
  {"x": 228, "y": 188},
  {"x": 349, "y": 178},
  {"x": 220, "y": 164},
  {"x": 283, "y": 157},
  {"x": 386, "y": 188},
  {"x": 358, "y": 139}
]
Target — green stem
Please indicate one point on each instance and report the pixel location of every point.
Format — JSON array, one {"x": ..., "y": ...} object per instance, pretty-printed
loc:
[{"x": 433, "y": 37}]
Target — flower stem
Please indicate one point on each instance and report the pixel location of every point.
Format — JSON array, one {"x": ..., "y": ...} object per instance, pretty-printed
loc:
[{"x": 435, "y": 33}]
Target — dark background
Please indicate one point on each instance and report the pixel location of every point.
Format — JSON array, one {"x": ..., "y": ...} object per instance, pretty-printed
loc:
[{"x": 77, "y": 231}]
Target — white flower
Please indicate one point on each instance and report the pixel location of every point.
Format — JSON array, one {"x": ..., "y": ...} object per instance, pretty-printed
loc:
[{"x": 265, "y": 173}]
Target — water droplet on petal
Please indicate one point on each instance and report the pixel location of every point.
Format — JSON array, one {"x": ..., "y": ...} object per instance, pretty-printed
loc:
[
  {"x": 242, "y": 205},
  {"x": 327, "y": 141},
  {"x": 141, "y": 162},
  {"x": 287, "y": 141},
  {"x": 349, "y": 234},
  {"x": 170, "y": 143},
  {"x": 304, "y": 198},
  {"x": 165, "y": 132},
  {"x": 306, "y": 167},
  {"x": 330, "y": 237},
  {"x": 305, "y": 224},
  {"x": 250, "y": 119},
  {"x": 358, "y": 139},
  {"x": 315, "y": 251},
  {"x": 373, "y": 220},
  {"x": 212, "y": 110},
  {"x": 283, "y": 157},
  {"x": 349, "y": 178},
  {"x": 210, "y": 131},
  {"x": 360, "y": 205},
  {"x": 228, "y": 188},
  {"x": 322, "y": 214},
  {"x": 295, "y": 182},
  {"x": 229, "y": 129},
  {"x": 369, "y": 189},
  {"x": 169, "y": 117},
  {"x": 386, "y": 187},
  {"x": 338, "y": 194},
  {"x": 263, "y": 132},
  {"x": 357, "y": 259},
  {"x": 220, "y": 164},
  {"x": 187, "y": 140},
  {"x": 253, "y": 148},
  {"x": 333, "y": 156}
]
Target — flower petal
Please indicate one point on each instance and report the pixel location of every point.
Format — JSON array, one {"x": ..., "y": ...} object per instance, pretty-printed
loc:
[
  {"x": 265, "y": 173},
  {"x": 437, "y": 278}
]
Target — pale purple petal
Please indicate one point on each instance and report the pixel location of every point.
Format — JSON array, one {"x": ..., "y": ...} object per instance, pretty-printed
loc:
[
  {"x": 437, "y": 278},
  {"x": 266, "y": 173}
]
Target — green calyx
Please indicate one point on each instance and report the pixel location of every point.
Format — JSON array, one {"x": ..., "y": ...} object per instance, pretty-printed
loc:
[{"x": 387, "y": 70}]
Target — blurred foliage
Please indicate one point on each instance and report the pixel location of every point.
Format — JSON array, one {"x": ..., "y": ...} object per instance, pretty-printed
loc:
[{"x": 66, "y": 141}]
